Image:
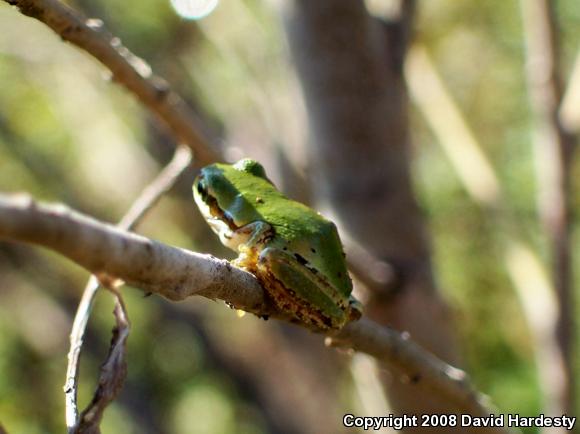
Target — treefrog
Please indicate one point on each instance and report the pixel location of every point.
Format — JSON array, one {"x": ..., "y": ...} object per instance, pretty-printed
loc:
[{"x": 295, "y": 253}]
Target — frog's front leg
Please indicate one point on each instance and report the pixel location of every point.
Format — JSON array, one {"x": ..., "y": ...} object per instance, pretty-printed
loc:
[
  {"x": 301, "y": 291},
  {"x": 247, "y": 239}
]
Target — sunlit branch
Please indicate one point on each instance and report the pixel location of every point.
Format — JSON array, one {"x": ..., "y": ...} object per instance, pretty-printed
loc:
[
  {"x": 126, "y": 69},
  {"x": 106, "y": 250},
  {"x": 177, "y": 274}
]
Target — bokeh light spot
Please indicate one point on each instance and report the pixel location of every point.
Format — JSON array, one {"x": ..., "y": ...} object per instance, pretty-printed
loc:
[{"x": 194, "y": 9}]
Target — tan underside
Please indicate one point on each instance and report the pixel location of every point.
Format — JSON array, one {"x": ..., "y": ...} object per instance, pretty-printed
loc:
[{"x": 284, "y": 299}]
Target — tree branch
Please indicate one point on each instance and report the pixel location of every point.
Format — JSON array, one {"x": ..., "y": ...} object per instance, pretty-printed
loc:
[
  {"x": 105, "y": 250},
  {"x": 177, "y": 273},
  {"x": 126, "y": 68},
  {"x": 148, "y": 198},
  {"x": 413, "y": 363},
  {"x": 113, "y": 373}
]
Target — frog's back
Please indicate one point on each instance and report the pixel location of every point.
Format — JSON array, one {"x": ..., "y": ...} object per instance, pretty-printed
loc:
[
  {"x": 298, "y": 228},
  {"x": 313, "y": 239}
]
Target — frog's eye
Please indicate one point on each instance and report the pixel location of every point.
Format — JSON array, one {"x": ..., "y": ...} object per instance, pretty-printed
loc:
[
  {"x": 201, "y": 188},
  {"x": 253, "y": 167}
]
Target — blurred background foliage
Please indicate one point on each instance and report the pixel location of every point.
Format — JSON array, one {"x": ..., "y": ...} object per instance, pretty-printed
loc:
[{"x": 68, "y": 135}]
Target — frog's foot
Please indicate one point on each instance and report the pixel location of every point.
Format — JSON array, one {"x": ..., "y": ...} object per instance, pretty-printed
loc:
[
  {"x": 247, "y": 260},
  {"x": 298, "y": 291},
  {"x": 248, "y": 240}
]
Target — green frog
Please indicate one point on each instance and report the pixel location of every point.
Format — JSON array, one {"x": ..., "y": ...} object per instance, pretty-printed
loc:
[{"x": 294, "y": 252}]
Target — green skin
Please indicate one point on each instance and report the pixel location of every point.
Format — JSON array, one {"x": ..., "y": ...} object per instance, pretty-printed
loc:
[{"x": 294, "y": 252}]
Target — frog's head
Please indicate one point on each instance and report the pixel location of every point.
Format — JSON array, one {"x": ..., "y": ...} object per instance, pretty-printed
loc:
[
  {"x": 220, "y": 193},
  {"x": 212, "y": 192}
]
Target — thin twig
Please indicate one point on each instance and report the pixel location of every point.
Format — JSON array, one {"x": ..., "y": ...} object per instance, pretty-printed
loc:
[
  {"x": 164, "y": 181},
  {"x": 149, "y": 196},
  {"x": 113, "y": 372},
  {"x": 553, "y": 148},
  {"x": 126, "y": 68},
  {"x": 76, "y": 343},
  {"x": 177, "y": 274}
]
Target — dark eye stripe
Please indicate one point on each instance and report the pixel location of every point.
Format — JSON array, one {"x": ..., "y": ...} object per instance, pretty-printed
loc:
[{"x": 202, "y": 189}]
